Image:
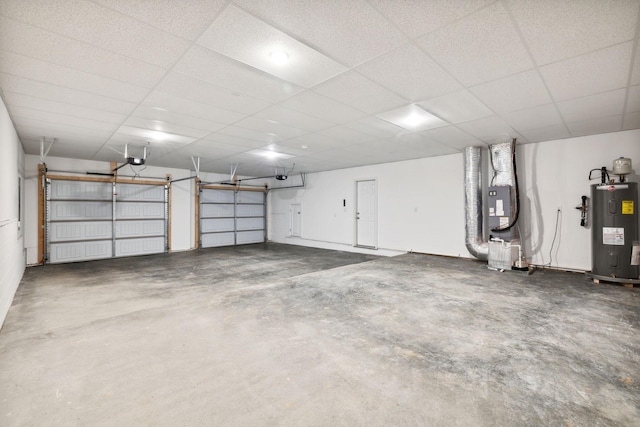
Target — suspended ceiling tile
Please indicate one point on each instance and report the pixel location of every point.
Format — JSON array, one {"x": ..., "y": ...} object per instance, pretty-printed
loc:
[
  {"x": 633, "y": 100},
  {"x": 595, "y": 72},
  {"x": 543, "y": 116},
  {"x": 64, "y": 133},
  {"x": 196, "y": 90},
  {"x": 155, "y": 136},
  {"x": 631, "y": 121},
  {"x": 353, "y": 89},
  {"x": 172, "y": 104},
  {"x": 184, "y": 18},
  {"x": 314, "y": 142},
  {"x": 457, "y": 107},
  {"x": 635, "y": 74},
  {"x": 547, "y": 133},
  {"x": 592, "y": 127},
  {"x": 490, "y": 129},
  {"x": 67, "y": 53},
  {"x": 294, "y": 118},
  {"x": 593, "y": 106},
  {"x": 410, "y": 73},
  {"x": 41, "y": 71},
  {"x": 453, "y": 137},
  {"x": 346, "y": 135},
  {"x": 557, "y": 30},
  {"x": 176, "y": 119},
  {"x": 162, "y": 126},
  {"x": 479, "y": 48},
  {"x": 53, "y": 92},
  {"x": 515, "y": 92},
  {"x": 210, "y": 150},
  {"x": 220, "y": 70},
  {"x": 417, "y": 17},
  {"x": 245, "y": 38},
  {"x": 61, "y": 119},
  {"x": 96, "y": 25},
  {"x": 320, "y": 106},
  {"x": 270, "y": 127},
  {"x": 376, "y": 127},
  {"x": 258, "y": 137},
  {"x": 26, "y": 101},
  {"x": 352, "y": 33}
]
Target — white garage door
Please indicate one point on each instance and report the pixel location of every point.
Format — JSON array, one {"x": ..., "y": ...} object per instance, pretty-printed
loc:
[
  {"x": 229, "y": 217},
  {"x": 95, "y": 220}
]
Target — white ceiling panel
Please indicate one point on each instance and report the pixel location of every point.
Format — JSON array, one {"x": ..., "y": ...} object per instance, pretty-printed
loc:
[
  {"x": 245, "y": 38},
  {"x": 457, "y": 107},
  {"x": 184, "y": 18},
  {"x": 594, "y": 72},
  {"x": 353, "y": 89},
  {"x": 171, "y": 104},
  {"x": 320, "y": 106},
  {"x": 593, "y": 106},
  {"x": 198, "y": 75},
  {"x": 293, "y": 118},
  {"x": 352, "y": 33},
  {"x": 52, "y": 92},
  {"x": 205, "y": 93},
  {"x": 516, "y": 92},
  {"x": 557, "y": 30},
  {"x": 26, "y": 101},
  {"x": 270, "y": 127},
  {"x": 220, "y": 70},
  {"x": 546, "y": 134},
  {"x": 543, "y": 116},
  {"x": 601, "y": 125},
  {"x": 410, "y": 73},
  {"x": 34, "y": 69},
  {"x": 94, "y": 24},
  {"x": 453, "y": 137},
  {"x": 490, "y": 129},
  {"x": 176, "y": 119},
  {"x": 51, "y": 48},
  {"x": 479, "y": 48},
  {"x": 633, "y": 100},
  {"x": 417, "y": 17}
]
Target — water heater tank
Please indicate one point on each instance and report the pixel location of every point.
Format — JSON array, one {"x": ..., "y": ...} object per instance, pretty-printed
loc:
[{"x": 615, "y": 229}]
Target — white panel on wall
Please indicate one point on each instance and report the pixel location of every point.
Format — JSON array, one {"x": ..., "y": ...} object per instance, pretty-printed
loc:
[
  {"x": 80, "y": 190},
  {"x": 249, "y": 210},
  {"x": 217, "y": 239},
  {"x": 247, "y": 237},
  {"x": 141, "y": 228},
  {"x": 139, "y": 210},
  {"x": 216, "y": 225},
  {"x": 70, "y": 231},
  {"x": 149, "y": 245},
  {"x": 79, "y": 251},
  {"x": 216, "y": 211},
  {"x": 78, "y": 211},
  {"x": 250, "y": 197},
  {"x": 216, "y": 196},
  {"x": 140, "y": 192},
  {"x": 250, "y": 224}
]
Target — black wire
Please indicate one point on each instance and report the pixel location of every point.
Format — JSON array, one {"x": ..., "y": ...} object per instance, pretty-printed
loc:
[{"x": 555, "y": 234}]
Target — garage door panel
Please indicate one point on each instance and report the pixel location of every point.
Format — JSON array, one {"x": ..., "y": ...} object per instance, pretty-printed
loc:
[
  {"x": 249, "y": 224},
  {"x": 79, "y": 251},
  {"x": 142, "y": 228},
  {"x": 246, "y": 237},
  {"x": 135, "y": 210},
  {"x": 78, "y": 211},
  {"x": 216, "y": 225},
  {"x": 216, "y": 211},
  {"x": 80, "y": 190},
  {"x": 216, "y": 196},
  {"x": 250, "y": 197},
  {"x": 143, "y": 246},
  {"x": 70, "y": 231},
  {"x": 217, "y": 239},
  {"x": 250, "y": 210},
  {"x": 140, "y": 192}
]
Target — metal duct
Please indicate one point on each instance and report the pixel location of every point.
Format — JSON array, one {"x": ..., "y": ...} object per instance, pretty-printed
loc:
[
  {"x": 501, "y": 161},
  {"x": 474, "y": 238}
]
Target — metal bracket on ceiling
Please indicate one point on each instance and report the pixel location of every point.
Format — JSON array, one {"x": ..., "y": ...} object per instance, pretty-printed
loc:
[
  {"x": 234, "y": 168},
  {"x": 43, "y": 153},
  {"x": 196, "y": 165}
]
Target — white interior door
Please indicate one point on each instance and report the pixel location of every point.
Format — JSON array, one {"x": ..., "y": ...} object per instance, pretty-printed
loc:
[
  {"x": 295, "y": 220},
  {"x": 366, "y": 213}
]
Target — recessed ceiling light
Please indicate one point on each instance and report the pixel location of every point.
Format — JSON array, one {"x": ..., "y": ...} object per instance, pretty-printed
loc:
[
  {"x": 304, "y": 147},
  {"x": 279, "y": 57},
  {"x": 412, "y": 118},
  {"x": 270, "y": 154}
]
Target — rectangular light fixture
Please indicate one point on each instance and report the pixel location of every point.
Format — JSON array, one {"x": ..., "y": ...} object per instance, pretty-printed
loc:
[{"x": 412, "y": 118}]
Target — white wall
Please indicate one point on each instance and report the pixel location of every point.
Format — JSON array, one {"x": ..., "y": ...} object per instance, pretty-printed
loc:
[
  {"x": 12, "y": 260},
  {"x": 420, "y": 202},
  {"x": 182, "y": 201}
]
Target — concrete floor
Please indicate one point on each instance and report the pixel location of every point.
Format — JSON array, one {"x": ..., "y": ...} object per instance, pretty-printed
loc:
[{"x": 272, "y": 334}]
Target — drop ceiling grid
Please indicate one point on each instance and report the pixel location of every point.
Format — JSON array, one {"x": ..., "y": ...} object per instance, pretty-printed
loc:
[{"x": 490, "y": 69}]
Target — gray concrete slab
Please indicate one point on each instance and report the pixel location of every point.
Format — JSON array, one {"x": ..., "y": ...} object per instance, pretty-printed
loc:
[{"x": 292, "y": 336}]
